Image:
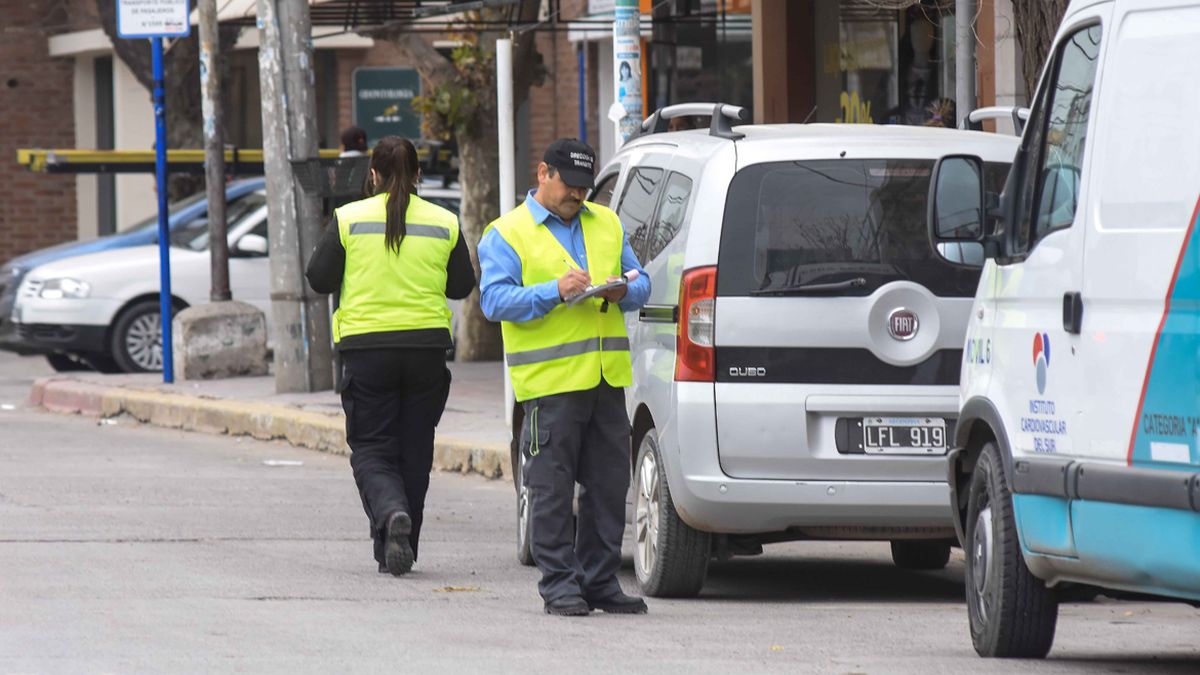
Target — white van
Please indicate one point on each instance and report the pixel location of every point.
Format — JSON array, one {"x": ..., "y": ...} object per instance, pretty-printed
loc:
[
  {"x": 1076, "y": 449},
  {"x": 795, "y": 368}
]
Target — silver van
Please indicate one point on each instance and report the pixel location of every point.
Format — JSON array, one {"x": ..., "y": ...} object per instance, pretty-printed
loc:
[{"x": 796, "y": 367}]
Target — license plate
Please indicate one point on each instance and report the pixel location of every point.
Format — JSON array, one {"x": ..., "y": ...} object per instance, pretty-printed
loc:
[{"x": 904, "y": 435}]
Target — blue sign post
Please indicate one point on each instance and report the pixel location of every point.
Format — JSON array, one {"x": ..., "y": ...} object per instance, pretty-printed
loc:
[{"x": 158, "y": 19}]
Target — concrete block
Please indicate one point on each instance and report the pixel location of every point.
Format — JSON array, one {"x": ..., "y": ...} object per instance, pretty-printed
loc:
[{"x": 220, "y": 340}]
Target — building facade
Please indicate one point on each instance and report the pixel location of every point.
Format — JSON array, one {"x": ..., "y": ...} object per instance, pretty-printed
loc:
[{"x": 842, "y": 61}]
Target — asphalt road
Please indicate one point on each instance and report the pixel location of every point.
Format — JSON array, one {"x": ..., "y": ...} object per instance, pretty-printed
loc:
[{"x": 126, "y": 548}]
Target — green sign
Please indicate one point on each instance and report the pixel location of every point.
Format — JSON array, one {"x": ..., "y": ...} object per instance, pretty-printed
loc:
[{"x": 383, "y": 102}]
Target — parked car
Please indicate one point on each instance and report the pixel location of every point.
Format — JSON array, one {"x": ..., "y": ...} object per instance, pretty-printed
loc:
[
  {"x": 1075, "y": 461},
  {"x": 102, "y": 308},
  {"x": 185, "y": 213},
  {"x": 795, "y": 368}
]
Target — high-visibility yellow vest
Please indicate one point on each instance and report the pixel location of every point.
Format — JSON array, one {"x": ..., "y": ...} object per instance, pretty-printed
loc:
[
  {"x": 570, "y": 348},
  {"x": 384, "y": 291}
]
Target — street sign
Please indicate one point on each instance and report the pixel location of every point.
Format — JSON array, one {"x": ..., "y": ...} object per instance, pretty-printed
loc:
[
  {"x": 152, "y": 18},
  {"x": 158, "y": 19},
  {"x": 383, "y": 102}
]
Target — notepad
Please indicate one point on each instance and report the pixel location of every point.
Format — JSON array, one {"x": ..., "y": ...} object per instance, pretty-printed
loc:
[{"x": 593, "y": 291}]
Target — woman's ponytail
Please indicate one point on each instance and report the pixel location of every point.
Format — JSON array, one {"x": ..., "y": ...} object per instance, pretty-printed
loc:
[{"x": 395, "y": 164}]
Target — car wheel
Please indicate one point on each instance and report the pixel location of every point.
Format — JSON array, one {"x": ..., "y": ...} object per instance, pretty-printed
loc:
[
  {"x": 1012, "y": 613},
  {"x": 524, "y": 549},
  {"x": 670, "y": 557},
  {"x": 920, "y": 555},
  {"x": 66, "y": 363},
  {"x": 137, "y": 338}
]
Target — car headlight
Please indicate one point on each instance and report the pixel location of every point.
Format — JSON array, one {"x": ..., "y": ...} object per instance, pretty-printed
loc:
[{"x": 56, "y": 289}]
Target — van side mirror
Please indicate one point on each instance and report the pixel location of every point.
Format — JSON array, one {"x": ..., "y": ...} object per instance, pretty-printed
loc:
[
  {"x": 958, "y": 209},
  {"x": 252, "y": 246}
]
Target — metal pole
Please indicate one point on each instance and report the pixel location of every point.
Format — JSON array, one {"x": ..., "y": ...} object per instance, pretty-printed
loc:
[
  {"x": 164, "y": 235},
  {"x": 303, "y": 352},
  {"x": 214, "y": 147},
  {"x": 504, "y": 125},
  {"x": 964, "y": 59}
]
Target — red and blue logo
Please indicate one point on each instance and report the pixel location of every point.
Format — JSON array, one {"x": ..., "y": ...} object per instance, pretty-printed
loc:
[{"x": 1041, "y": 359}]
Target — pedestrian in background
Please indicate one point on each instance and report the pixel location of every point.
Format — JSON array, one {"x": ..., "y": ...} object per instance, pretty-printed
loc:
[
  {"x": 395, "y": 258},
  {"x": 354, "y": 142},
  {"x": 569, "y": 364}
]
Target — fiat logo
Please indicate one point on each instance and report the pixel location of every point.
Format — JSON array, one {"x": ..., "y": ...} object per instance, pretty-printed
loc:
[{"x": 903, "y": 324}]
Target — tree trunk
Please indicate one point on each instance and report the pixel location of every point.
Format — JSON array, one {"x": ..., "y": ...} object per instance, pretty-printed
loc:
[
  {"x": 181, "y": 66},
  {"x": 478, "y": 339},
  {"x": 479, "y": 162},
  {"x": 1036, "y": 23}
]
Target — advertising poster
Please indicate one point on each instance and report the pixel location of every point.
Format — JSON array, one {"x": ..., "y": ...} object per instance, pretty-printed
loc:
[{"x": 627, "y": 66}]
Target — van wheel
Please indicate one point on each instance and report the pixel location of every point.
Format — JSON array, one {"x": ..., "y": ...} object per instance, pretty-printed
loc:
[
  {"x": 670, "y": 557},
  {"x": 137, "y": 338},
  {"x": 920, "y": 555},
  {"x": 524, "y": 549},
  {"x": 1012, "y": 613}
]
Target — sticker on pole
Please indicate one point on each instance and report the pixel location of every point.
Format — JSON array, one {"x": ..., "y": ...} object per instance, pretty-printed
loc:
[{"x": 152, "y": 18}]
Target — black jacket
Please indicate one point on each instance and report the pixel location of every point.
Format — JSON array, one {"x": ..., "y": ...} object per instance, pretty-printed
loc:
[{"x": 328, "y": 266}]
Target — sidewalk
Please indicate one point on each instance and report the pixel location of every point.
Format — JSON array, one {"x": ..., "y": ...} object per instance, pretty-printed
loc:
[{"x": 472, "y": 436}]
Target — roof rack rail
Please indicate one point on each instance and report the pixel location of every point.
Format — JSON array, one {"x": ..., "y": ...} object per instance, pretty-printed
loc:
[
  {"x": 723, "y": 115},
  {"x": 976, "y": 117}
]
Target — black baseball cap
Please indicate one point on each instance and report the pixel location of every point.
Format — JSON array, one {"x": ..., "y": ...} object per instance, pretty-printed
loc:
[{"x": 575, "y": 160}]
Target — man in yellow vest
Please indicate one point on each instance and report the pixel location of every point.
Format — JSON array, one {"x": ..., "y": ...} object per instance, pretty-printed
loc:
[{"x": 569, "y": 363}]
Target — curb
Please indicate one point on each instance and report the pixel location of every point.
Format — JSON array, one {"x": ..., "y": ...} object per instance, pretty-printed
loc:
[{"x": 313, "y": 430}]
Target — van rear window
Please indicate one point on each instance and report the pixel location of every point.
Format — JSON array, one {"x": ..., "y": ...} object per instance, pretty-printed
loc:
[{"x": 834, "y": 227}]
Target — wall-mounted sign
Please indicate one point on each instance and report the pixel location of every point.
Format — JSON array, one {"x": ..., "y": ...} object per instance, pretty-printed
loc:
[
  {"x": 383, "y": 102},
  {"x": 152, "y": 18}
]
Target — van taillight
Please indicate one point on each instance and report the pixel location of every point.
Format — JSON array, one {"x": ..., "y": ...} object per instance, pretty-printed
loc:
[{"x": 694, "y": 359}]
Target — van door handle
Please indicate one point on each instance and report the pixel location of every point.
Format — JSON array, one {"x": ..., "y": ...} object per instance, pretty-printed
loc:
[
  {"x": 1073, "y": 312},
  {"x": 659, "y": 314}
]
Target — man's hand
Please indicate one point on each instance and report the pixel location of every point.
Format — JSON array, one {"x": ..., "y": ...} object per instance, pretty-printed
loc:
[
  {"x": 614, "y": 294},
  {"x": 574, "y": 282}
]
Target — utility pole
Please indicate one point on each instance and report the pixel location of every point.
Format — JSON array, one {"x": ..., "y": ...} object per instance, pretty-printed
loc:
[
  {"x": 303, "y": 354},
  {"x": 626, "y": 110},
  {"x": 214, "y": 147},
  {"x": 964, "y": 59}
]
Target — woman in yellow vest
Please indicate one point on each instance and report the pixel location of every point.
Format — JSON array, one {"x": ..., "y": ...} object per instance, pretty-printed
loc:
[{"x": 394, "y": 258}]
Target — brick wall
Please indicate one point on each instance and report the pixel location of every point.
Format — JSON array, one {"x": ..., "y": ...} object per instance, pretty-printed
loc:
[{"x": 36, "y": 110}]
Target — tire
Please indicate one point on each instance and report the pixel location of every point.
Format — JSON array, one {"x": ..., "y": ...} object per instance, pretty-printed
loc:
[
  {"x": 524, "y": 551},
  {"x": 136, "y": 343},
  {"x": 920, "y": 555},
  {"x": 66, "y": 363},
  {"x": 1012, "y": 613},
  {"x": 670, "y": 558}
]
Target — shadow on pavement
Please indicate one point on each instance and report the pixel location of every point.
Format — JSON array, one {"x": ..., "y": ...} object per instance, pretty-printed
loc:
[
  {"x": 1127, "y": 662},
  {"x": 827, "y": 579}
]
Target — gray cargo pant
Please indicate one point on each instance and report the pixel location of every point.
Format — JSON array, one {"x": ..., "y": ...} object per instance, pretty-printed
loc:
[{"x": 577, "y": 437}]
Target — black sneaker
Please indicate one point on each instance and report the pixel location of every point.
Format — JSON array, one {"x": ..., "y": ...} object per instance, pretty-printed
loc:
[
  {"x": 619, "y": 604},
  {"x": 571, "y": 605},
  {"x": 396, "y": 550}
]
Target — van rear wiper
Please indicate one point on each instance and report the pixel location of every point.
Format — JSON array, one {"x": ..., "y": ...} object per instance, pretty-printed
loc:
[{"x": 856, "y": 282}]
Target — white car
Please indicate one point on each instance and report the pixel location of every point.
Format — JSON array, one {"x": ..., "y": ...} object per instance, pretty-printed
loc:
[{"x": 103, "y": 308}]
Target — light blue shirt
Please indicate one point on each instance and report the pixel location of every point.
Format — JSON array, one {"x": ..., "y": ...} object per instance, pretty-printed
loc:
[{"x": 501, "y": 293}]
